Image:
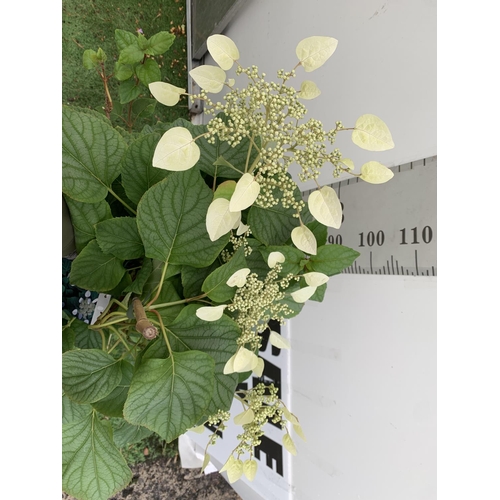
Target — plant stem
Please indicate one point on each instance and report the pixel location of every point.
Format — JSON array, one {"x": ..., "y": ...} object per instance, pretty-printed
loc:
[
  {"x": 177, "y": 302},
  {"x": 164, "y": 333},
  {"x": 116, "y": 332},
  {"x": 160, "y": 284},
  {"x": 130, "y": 209},
  {"x": 249, "y": 152}
]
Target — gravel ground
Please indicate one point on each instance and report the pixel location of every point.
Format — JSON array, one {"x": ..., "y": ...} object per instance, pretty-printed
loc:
[{"x": 165, "y": 479}]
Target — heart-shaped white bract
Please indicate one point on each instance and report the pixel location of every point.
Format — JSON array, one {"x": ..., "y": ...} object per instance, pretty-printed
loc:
[
  {"x": 229, "y": 366},
  {"x": 275, "y": 258},
  {"x": 219, "y": 219},
  {"x": 244, "y": 417},
  {"x": 347, "y": 162},
  {"x": 314, "y": 51},
  {"x": 223, "y": 50},
  {"x": 259, "y": 368},
  {"x": 176, "y": 150},
  {"x": 211, "y": 313},
  {"x": 239, "y": 278},
  {"x": 228, "y": 464},
  {"x": 372, "y": 134},
  {"x": 315, "y": 279},
  {"x": 245, "y": 360},
  {"x": 242, "y": 229},
  {"x": 246, "y": 192},
  {"x": 250, "y": 469},
  {"x": 235, "y": 470},
  {"x": 308, "y": 90},
  {"x": 303, "y": 238},
  {"x": 303, "y": 294},
  {"x": 298, "y": 429},
  {"x": 289, "y": 444},
  {"x": 278, "y": 341},
  {"x": 324, "y": 205},
  {"x": 375, "y": 173},
  {"x": 290, "y": 416},
  {"x": 209, "y": 78},
  {"x": 165, "y": 93}
]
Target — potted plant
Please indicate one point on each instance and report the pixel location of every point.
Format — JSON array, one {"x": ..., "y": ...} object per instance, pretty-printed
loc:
[{"x": 208, "y": 239}]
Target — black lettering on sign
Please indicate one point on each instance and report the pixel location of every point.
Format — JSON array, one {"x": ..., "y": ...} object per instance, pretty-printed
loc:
[
  {"x": 276, "y": 327},
  {"x": 273, "y": 451},
  {"x": 214, "y": 429}
]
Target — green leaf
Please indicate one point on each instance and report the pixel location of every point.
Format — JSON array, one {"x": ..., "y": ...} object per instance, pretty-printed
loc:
[
  {"x": 124, "y": 38},
  {"x": 155, "y": 277},
  {"x": 148, "y": 72},
  {"x": 129, "y": 90},
  {"x": 255, "y": 261},
  {"x": 320, "y": 232},
  {"x": 93, "y": 467},
  {"x": 160, "y": 43},
  {"x": 141, "y": 277},
  {"x": 169, "y": 395},
  {"x": 131, "y": 54},
  {"x": 92, "y": 155},
  {"x": 85, "y": 338},
  {"x": 112, "y": 404},
  {"x": 125, "y": 433},
  {"x": 84, "y": 217},
  {"x": 171, "y": 220},
  {"x": 138, "y": 173},
  {"x": 217, "y": 338},
  {"x": 90, "y": 60},
  {"x": 319, "y": 294},
  {"x": 142, "y": 41},
  {"x": 68, "y": 338},
  {"x": 332, "y": 259},
  {"x": 193, "y": 278},
  {"x": 295, "y": 307},
  {"x": 123, "y": 71},
  {"x": 89, "y": 375},
  {"x": 120, "y": 237},
  {"x": 73, "y": 412},
  {"x": 95, "y": 270},
  {"x": 215, "y": 284},
  {"x": 293, "y": 256},
  {"x": 143, "y": 107},
  {"x": 168, "y": 294}
]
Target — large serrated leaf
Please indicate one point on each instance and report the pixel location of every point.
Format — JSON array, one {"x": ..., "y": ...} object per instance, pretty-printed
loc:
[
  {"x": 73, "y": 412},
  {"x": 95, "y": 270},
  {"x": 193, "y": 278},
  {"x": 169, "y": 395},
  {"x": 171, "y": 220},
  {"x": 85, "y": 338},
  {"x": 125, "y": 433},
  {"x": 120, "y": 237},
  {"x": 84, "y": 217},
  {"x": 92, "y": 155},
  {"x": 332, "y": 259},
  {"x": 89, "y": 375},
  {"x": 93, "y": 467}
]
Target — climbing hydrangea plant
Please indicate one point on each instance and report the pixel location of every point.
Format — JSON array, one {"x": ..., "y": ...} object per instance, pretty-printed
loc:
[{"x": 200, "y": 236}]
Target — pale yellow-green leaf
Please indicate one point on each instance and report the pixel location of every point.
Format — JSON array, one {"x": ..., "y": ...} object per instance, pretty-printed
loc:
[
  {"x": 206, "y": 461},
  {"x": 246, "y": 192},
  {"x": 371, "y": 133},
  {"x": 347, "y": 162},
  {"x": 376, "y": 173},
  {"x": 278, "y": 341},
  {"x": 324, "y": 205},
  {"x": 229, "y": 366},
  {"x": 245, "y": 360},
  {"x": 231, "y": 82},
  {"x": 228, "y": 464},
  {"x": 223, "y": 50},
  {"x": 290, "y": 416},
  {"x": 275, "y": 258},
  {"x": 308, "y": 90},
  {"x": 200, "y": 429},
  {"x": 289, "y": 444},
  {"x": 303, "y": 294},
  {"x": 210, "y": 313},
  {"x": 209, "y": 78},
  {"x": 259, "y": 368},
  {"x": 250, "y": 469},
  {"x": 165, "y": 93},
  {"x": 244, "y": 417},
  {"x": 242, "y": 228},
  {"x": 314, "y": 51},
  {"x": 298, "y": 429},
  {"x": 219, "y": 219},
  {"x": 176, "y": 150},
  {"x": 303, "y": 238},
  {"x": 239, "y": 278},
  {"x": 235, "y": 471},
  {"x": 315, "y": 278}
]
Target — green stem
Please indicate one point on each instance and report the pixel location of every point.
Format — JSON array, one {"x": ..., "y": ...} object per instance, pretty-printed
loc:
[
  {"x": 103, "y": 339},
  {"x": 123, "y": 341},
  {"x": 160, "y": 285},
  {"x": 164, "y": 333},
  {"x": 130, "y": 209},
  {"x": 177, "y": 302},
  {"x": 249, "y": 151}
]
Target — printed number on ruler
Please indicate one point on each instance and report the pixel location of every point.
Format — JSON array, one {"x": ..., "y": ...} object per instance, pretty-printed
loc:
[{"x": 391, "y": 225}]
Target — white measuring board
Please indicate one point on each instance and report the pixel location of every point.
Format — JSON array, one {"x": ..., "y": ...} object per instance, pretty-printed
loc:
[{"x": 392, "y": 225}]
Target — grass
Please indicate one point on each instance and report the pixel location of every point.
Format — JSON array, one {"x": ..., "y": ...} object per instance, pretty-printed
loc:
[{"x": 90, "y": 24}]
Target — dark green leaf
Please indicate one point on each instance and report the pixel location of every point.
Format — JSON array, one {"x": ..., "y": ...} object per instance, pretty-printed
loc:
[
  {"x": 92, "y": 155},
  {"x": 68, "y": 338},
  {"x": 85, "y": 338},
  {"x": 143, "y": 107},
  {"x": 129, "y": 90},
  {"x": 93, "y": 467},
  {"x": 319, "y": 294},
  {"x": 168, "y": 294},
  {"x": 171, "y": 219},
  {"x": 155, "y": 277},
  {"x": 124, "y": 38},
  {"x": 125, "y": 433},
  {"x": 95, "y": 270},
  {"x": 255, "y": 261},
  {"x": 119, "y": 289},
  {"x": 293, "y": 257},
  {"x": 320, "y": 231},
  {"x": 169, "y": 395},
  {"x": 120, "y": 237},
  {"x": 89, "y": 375},
  {"x": 73, "y": 412},
  {"x": 160, "y": 43},
  {"x": 138, "y": 173},
  {"x": 141, "y": 277},
  {"x": 193, "y": 278},
  {"x": 332, "y": 259},
  {"x": 148, "y": 72}
]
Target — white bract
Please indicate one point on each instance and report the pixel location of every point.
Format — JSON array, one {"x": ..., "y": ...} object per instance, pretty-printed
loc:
[
  {"x": 303, "y": 294},
  {"x": 176, "y": 150},
  {"x": 348, "y": 163},
  {"x": 372, "y": 134},
  {"x": 315, "y": 279},
  {"x": 242, "y": 228},
  {"x": 259, "y": 368},
  {"x": 275, "y": 258},
  {"x": 325, "y": 207},
  {"x": 289, "y": 444},
  {"x": 250, "y": 469},
  {"x": 245, "y": 360},
  {"x": 303, "y": 238},
  {"x": 209, "y": 78},
  {"x": 239, "y": 278},
  {"x": 375, "y": 173},
  {"x": 246, "y": 192},
  {"x": 235, "y": 471},
  {"x": 211, "y": 313},
  {"x": 220, "y": 220},
  {"x": 278, "y": 341},
  {"x": 166, "y": 93},
  {"x": 223, "y": 50},
  {"x": 290, "y": 416},
  {"x": 308, "y": 90},
  {"x": 245, "y": 417},
  {"x": 314, "y": 51},
  {"x": 298, "y": 429}
]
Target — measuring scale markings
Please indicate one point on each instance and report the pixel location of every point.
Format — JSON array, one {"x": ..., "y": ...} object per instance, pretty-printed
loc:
[{"x": 392, "y": 225}]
